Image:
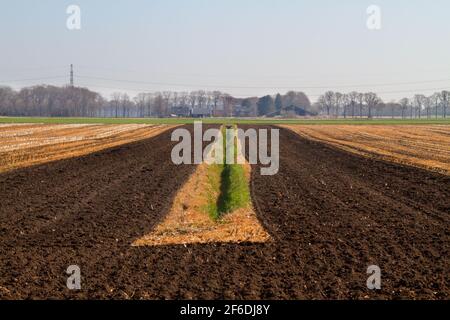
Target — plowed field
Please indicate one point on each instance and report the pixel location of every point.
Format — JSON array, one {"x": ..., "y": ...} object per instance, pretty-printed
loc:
[{"x": 330, "y": 215}]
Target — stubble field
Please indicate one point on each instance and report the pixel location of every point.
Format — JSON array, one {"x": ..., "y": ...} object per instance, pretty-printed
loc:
[
  {"x": 24, "y": 145},
  {"x": 422, "y": 146}
]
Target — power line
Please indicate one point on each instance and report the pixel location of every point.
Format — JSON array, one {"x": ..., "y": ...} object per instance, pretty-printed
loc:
[
  {"x": 262, "y": 87},
  {"x": 32, "y": 68},
  {"x": 414, "y": 90},
  {"x": 252, "y": 95},
  {"x": 302, "y": 88},
  {"x": 259, "y": 76},
  {"x": 33, "y": 79},
  {"x": 445, "y": 70}
]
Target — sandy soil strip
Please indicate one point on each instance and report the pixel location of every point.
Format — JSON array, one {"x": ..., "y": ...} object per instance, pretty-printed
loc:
[
  {"x": 188, "y": 222},
  {"x": 26, "y": 145},
  {"x": 421, "y": 146}
]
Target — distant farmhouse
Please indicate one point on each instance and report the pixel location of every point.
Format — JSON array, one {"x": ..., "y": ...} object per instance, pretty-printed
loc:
[
  {"x": 205, "y": 112},
  {"x": 180, "y": 112},
  {"x": 292, "y": 111},
  {"x": 188, "y": 112}
]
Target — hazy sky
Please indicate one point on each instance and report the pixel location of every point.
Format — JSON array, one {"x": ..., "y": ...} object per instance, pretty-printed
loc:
[{"x": 244, "y": 47}]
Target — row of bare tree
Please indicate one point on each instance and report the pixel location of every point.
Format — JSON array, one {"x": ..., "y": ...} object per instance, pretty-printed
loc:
[
  {"x": 357, "y": 104},
  {"x": 163, "y": 103},
  {"x": 48, "y": 101},
  {"x": 52, "y": 101}
]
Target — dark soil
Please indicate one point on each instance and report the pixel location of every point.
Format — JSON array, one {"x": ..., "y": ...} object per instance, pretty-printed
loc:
[{"x": 331, "y": 215}]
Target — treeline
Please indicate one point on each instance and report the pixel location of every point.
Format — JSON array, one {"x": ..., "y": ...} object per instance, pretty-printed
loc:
[
  {"x": 52, "y": 101},
  {"x": 356, "y": 104}
]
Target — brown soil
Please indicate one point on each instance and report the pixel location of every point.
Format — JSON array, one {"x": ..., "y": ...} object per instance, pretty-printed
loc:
[
  {"x": 422, "y": 146},
  {"x": 30, "y": 144},
  {"x": 330, "y": 214}
]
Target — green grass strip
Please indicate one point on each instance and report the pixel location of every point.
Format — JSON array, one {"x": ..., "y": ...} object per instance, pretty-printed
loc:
[
  {"x": 235, "y": 193},
  {"x": 232, "y": 184},
  {"x": 226, "y": 121},
  {"x": 214, "y": 173}
]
